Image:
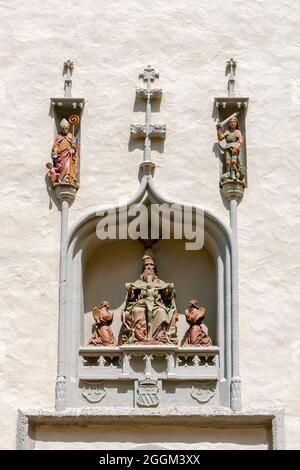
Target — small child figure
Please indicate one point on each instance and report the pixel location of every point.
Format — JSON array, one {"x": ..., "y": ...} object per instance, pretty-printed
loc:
[{"x": 53, "y": 172}]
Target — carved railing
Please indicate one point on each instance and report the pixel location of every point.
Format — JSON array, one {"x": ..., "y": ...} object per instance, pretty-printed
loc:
[{"x": 166, "y": 362}]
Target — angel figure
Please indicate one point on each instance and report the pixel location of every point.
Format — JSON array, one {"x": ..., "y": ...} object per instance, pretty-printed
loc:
[
  {"x": 197, "y": 334},
  {"x": 103, "y": 335}
]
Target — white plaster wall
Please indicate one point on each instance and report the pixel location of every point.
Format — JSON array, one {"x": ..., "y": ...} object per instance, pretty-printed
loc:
[
  {"x": 133, "y": 437},
  {"x": 189, "y": 42}
]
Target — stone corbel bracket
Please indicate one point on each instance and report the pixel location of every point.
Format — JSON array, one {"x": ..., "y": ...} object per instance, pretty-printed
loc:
[
  {"x": 139, "y": 131},
  {"x": 155, "y": 93},
  {"x": 238, "y": 103},
  {"x": 69, "y": 104}
]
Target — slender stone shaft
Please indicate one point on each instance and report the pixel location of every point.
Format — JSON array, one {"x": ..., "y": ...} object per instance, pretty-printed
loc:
[
  {"x": 147, "y": 145},
  {"x": 65, "y": 193},
  {"x": 236, "y": 381}
]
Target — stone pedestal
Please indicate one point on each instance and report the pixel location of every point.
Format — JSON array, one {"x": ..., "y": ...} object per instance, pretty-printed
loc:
[
  {"x": 65, "y": 191},
  {"x": 147, "y": 168},
  {"x": 232, "y": 189}
]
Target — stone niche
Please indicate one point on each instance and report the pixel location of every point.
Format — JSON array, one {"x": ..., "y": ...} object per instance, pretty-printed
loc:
[
  {"x": 223, "y": 108},
  {"x": 64, "y": 108},
  {"x": 109, "y": 264},
  {"x": 136, "y": 375}
]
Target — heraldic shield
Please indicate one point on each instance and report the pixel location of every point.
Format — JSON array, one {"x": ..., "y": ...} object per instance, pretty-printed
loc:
[{"x": 147, "y": 392}]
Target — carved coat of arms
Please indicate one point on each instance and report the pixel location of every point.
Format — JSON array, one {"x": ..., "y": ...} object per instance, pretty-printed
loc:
[
  {"x": 203, "y": 392},
  {"x": 93, "y": 392},
  {"x": 147, "y": 392}
]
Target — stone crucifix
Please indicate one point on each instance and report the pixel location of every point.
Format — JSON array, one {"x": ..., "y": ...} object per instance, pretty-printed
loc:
[{"x": 148, "y": 131}]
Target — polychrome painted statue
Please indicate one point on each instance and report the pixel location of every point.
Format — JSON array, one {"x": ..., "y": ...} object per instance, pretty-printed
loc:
[
  {"x": 197, "y": 334},
  {"x": 103, "y": 335},
  {"x": 234, "y": 141},
  {"x": 149, "y": 316},
  {"x": 65, "y": 155}
]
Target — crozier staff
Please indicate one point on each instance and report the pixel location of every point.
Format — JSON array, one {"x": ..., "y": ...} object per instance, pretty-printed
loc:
[{"x": 74, "y": 120}]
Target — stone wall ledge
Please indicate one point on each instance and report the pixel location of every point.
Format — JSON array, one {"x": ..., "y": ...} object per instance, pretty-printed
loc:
[{"x": 271, "y": 419}]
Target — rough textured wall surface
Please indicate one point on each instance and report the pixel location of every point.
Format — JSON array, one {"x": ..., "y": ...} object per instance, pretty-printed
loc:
[
  {"x": 189, "y": 43},
  {"x": 135, "y": 437}
]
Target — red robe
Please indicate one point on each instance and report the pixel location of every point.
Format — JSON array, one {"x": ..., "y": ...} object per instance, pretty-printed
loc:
[{"x": 62, "y": 147}]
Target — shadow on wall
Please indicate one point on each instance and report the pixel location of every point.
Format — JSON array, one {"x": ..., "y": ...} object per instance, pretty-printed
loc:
[{"x": 114, "y": 262}]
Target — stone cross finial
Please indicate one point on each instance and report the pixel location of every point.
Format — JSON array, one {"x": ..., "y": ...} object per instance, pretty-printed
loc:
[
  {"x": 68, "y": 71},
  {"x": 148, "y": 130},
  {"x": 230, "y": 68},
  {"x": 149, "y": 73}
]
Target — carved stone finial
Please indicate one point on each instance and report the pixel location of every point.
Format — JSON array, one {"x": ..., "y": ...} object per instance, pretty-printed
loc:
[
  {"x": 230, "y": 70},
  {"x": 148, "y": 131},
  {"x": 149, "y": 73},
  {"x": 231, "y": 62},
  {"x": 68, "y": 71},
  {"x": 69, "y": 64}
]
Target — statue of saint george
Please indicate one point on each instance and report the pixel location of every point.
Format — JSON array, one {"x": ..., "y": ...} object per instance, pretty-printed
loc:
[{"x": 234, "y": 141}]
